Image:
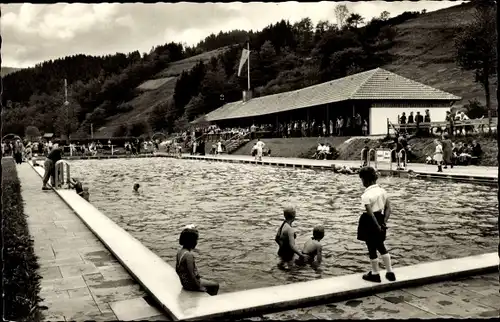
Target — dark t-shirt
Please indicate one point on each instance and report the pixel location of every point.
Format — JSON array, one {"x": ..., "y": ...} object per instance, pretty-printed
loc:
[
  {"x": 55, "y": 155},
  {"x": 476, "y": 150}
]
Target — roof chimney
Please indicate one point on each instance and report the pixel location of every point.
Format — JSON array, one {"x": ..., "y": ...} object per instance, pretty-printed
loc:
[{"x": 247, "y": 95}]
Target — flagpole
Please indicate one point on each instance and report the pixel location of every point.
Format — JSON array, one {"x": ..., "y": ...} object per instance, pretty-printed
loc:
[{"x": 248, "y": 69}]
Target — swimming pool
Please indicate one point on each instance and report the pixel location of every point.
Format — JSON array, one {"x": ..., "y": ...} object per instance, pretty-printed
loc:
[{"x": 238, "y": 208}]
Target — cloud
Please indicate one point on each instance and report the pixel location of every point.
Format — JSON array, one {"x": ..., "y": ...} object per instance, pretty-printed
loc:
[{"x": 33, "y": 33}]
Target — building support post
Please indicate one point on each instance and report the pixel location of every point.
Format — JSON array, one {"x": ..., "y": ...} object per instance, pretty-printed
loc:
[
  {"x": 309, "y": 130},
  {"x": 277, "y": 126},
  {"x": 328, "y": 119}
]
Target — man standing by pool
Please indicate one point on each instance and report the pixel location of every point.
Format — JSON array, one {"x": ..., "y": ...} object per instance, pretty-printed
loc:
[
  {"x": 50, "y": 165},
  {"x": 260, "y": 146},
  {"x": 447, "y": 151}
]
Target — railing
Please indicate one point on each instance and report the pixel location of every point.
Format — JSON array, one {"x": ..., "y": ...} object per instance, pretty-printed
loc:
[
  {"x": 86, "y": 149},
  {"x": 237, "y": 143},
  {"x": 398, "y": 158},
  {"x": 60, "y": 177},
  {"x": 480, "y": 123},
  {"x": 369, "y": 157},
  {"x": 390, "y": 159}
]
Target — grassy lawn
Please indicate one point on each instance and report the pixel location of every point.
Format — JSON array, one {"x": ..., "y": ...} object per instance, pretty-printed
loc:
[
  {"x": 21, "y": 281},
  {"x": 350, "y": 149},
  {"x": 423, "y": 147}
]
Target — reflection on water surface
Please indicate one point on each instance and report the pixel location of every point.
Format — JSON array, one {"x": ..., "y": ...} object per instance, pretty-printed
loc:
[{"x": 238, "y": 208}]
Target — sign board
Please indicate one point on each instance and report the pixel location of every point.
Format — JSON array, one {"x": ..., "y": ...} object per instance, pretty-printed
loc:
[{"x": 384, "y": 155}]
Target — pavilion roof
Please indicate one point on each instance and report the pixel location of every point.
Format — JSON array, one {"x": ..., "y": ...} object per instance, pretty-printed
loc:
[{"x": 375, "y": 84}]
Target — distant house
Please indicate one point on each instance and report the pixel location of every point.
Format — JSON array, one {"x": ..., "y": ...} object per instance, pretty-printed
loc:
[{"x": 377, "y": 95}]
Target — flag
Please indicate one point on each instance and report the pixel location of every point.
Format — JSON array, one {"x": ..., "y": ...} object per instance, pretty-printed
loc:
[{"x": 244, "y": 56}]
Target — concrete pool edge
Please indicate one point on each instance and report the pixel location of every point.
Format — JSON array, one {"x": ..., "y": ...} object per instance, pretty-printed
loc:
[
  {"x": 475, "y": 179},
  {"x": 335, "y": 289},
  {"x": 257, "y": 301},
  {"x": 156, "y": 281}
]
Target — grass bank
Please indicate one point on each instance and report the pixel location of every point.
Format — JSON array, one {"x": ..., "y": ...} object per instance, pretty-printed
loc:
[
  {"x": 421, "y": 148},
  {"x": 21, "y": 281},
  {"x": 291, "y": 147},
  {"x": 350, "y": 148}
]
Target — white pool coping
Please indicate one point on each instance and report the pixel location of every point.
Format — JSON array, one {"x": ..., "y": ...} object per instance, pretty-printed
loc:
[{"x": 160, "y": 280}]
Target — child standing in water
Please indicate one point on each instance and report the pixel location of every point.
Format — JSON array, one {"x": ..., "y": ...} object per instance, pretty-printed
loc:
[
  {"x": 185, "y": 265},
  {"x": 372, "y": 224},
  {"x": 312, "y": 249},
  {"x": 136, "y": 187},
  {"x": 285, "y": 238}
]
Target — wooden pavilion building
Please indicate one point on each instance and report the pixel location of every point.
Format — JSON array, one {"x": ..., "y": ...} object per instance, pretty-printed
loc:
[{"x": 377, "y": 95}]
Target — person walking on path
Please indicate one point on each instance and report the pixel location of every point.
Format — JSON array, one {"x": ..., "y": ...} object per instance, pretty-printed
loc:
[
  {"x": 50, "y": 166},
  {"x": 18, "y": 152},
  {"x": 372, "y": 227}
]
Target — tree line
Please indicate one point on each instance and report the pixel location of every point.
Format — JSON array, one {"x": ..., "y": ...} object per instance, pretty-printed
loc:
[{"x": 284, "y": 57}]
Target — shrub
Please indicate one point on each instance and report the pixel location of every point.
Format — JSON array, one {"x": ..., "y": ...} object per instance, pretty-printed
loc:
[
  {"x": 475, "y": 110},
  {"x": 21, "y": 280},
  {"x": 120, "y": 131}
]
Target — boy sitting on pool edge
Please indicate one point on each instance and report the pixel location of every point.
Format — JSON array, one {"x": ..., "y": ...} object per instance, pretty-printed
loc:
[
  {"x": 186, "y": 267},
  {"x": 312, "y": 250}
]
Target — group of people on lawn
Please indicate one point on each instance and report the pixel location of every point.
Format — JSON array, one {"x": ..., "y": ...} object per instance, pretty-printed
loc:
[{"x": 449, "y": 153}]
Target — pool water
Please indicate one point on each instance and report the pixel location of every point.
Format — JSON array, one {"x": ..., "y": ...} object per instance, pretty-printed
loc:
[{"x": 238, "y": 209}]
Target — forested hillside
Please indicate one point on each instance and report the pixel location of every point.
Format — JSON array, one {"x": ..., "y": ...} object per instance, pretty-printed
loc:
[
  {"x": 9, "y": 70},
  {"x": 132, "y": 94}
]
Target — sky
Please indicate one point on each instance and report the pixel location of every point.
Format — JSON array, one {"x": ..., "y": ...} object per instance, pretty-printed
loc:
[{"x": 33, "y": 33}]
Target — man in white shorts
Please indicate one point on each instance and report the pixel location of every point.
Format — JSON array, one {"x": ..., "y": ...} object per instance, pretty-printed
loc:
[{"x": 260, "y": 146}]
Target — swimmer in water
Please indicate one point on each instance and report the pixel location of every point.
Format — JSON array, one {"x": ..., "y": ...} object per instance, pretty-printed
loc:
[
  {"x": 312, "y": 250},
  {"x": 136, "y": 187},
  {"x": 285, "y": 238}
]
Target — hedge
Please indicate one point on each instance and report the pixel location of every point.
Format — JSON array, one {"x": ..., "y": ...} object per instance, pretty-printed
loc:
[{"x": 21, "y": 280}]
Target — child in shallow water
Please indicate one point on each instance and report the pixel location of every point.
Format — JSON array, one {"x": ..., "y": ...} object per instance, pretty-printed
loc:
[
  {"x": 285, "y": 238},
  {"x": 312, "y": 250},
  {"x": 136, "y": 187},
  {"x": 185, "y": 264}
]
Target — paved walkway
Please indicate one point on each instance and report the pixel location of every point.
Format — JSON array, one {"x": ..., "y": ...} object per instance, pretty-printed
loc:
[
  {"x": 417, "y": 167},
  {"x": 475, "y": 297},
  {"x": 81, "y": 279}
]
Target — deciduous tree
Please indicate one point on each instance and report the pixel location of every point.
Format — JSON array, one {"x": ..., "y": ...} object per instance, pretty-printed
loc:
[
  {"x": 354, "y": 20},
  {"x": 341, "y": 14},
  {"x": 32, "y": 133},
  {"x": 476, "y": 47},
  {"x": 385, "y": 15}
]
